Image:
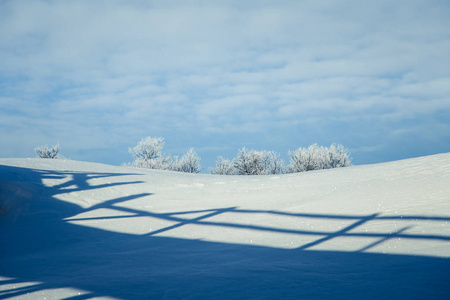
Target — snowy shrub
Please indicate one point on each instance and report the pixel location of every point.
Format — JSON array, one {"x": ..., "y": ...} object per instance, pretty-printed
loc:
[
  {"x": 161, "y": 163},
  {"x": 223, "y": 167},
  {"x": 171, "y": 163},
  {"x": 249, "y": 162},
  {"x": 46, "y": 152},
  {"x": 252, "y": 162},
  {"x": 317, "y": 158},
  {"x": 338, "y": 156},
  {"x": 306, "y": 159},
  {"x": 190, "y": 162},
  {"x": 275, "y": 165},
  {"x": 148, "y": 149},
  {"x": 148, "y": 154}
]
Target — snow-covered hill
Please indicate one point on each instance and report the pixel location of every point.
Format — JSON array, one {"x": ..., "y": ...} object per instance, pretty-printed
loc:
[{"x": 76, "y": 230}]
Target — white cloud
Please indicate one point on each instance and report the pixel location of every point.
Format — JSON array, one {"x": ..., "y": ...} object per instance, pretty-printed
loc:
[{"x": 101, "y": 69}]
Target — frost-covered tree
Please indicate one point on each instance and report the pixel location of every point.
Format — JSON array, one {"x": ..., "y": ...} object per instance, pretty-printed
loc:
[
  {"x": 149, "y": 148},
  {"x": 160, "y": 163},
  {"x": 249, "y": 162},
  {"x": 189, "y": 162},
  {"x": 148, "y": 154},
  {"x": 171, "y": 163},
  {"x": 338, "y": 156},
  {"x": 46, "y": 152},
  {"x": 317, "y": 158},
  {"x": 275, "y": 165},
  {"x": 306, "y": 159},
  {"x": 223, "y": 167}
]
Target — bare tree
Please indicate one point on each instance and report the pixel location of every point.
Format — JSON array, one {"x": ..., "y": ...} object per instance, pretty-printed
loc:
[{"x": 46, "y": 152}]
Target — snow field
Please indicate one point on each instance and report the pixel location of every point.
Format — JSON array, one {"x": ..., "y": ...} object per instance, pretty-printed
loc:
[{"x": 79, "y": 230}]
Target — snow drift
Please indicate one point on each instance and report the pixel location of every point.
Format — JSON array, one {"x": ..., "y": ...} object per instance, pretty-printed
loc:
[{"x": 76, "y": 230}]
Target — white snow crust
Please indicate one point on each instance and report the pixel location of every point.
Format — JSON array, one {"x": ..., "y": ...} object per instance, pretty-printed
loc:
[{"x": 77, "y": 230}]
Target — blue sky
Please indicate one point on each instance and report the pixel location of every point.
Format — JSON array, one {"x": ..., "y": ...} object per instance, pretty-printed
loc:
[{"x": 97, "y": 76}]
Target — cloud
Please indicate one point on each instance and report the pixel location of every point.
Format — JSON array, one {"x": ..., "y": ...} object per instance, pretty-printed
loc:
[{"x": 111, "y": 73}]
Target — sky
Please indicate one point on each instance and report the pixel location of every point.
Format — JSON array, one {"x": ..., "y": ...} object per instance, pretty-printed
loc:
[{"x": 98, "y": 76}]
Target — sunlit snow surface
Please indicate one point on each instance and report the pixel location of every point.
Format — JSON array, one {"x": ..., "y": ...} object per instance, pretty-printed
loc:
[{"x": 76, "y": 230}]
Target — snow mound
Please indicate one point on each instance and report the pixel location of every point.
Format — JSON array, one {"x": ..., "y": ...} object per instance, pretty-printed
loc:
[{"x": 78, "y": 230}]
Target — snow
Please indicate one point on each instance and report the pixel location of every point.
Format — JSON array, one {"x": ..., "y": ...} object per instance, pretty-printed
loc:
[{"x": 77, "y": 230}]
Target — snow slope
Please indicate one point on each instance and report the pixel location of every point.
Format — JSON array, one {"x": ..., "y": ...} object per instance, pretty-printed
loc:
[{"x": 76, "y": 230}]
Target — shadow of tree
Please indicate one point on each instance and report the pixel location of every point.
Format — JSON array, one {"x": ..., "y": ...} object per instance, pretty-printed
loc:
[{"x": 42, "y": 252}]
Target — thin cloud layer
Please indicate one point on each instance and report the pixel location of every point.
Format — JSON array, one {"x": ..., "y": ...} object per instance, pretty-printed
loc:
[{"x": 97, "y": 77}]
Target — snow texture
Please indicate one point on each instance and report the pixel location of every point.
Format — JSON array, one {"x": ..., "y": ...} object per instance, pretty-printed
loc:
[{"x": 76, "y": 230}]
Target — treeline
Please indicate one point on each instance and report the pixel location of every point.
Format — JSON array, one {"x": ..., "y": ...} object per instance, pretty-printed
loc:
[
  {"x": 148, "y": 153},
  {"x": 252, "y": 162}
]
